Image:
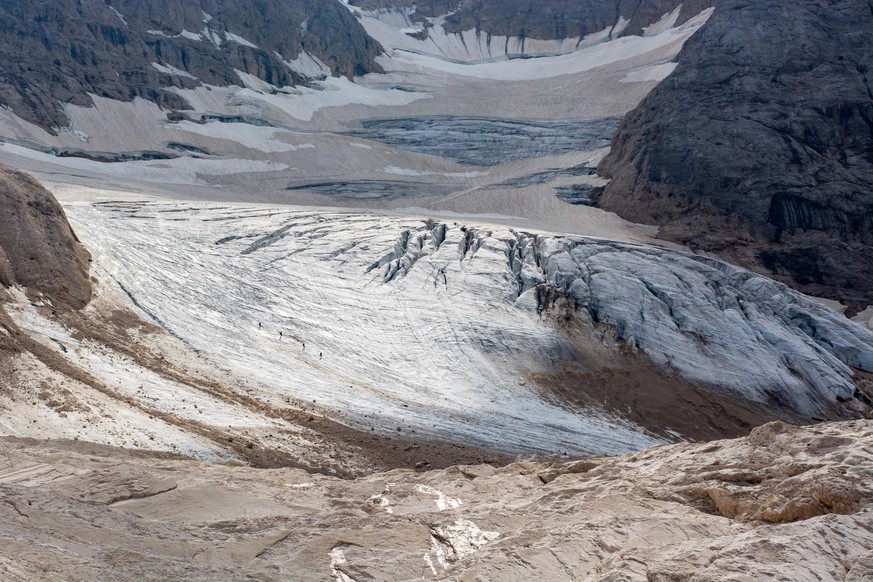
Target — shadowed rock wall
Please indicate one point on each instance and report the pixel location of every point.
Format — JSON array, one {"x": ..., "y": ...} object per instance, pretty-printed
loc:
[{"x": 760, "y": 145}]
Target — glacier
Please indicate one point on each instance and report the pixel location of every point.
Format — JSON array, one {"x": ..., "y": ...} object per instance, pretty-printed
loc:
[{"x": 441, "y": 328}]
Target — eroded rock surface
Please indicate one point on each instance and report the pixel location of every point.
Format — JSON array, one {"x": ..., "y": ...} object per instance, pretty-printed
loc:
[
  {"x": 758, "y": 146},
  {"x": 786, "y": 503},
  {"x": 38, "y": 249}
]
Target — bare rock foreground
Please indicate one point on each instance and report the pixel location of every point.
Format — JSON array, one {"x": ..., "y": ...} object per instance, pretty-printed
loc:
[{"x": 785, "y": 503}]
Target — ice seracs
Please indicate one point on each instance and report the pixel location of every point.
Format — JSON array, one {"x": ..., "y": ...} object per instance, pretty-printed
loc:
[{"x": 442, "y": 328}]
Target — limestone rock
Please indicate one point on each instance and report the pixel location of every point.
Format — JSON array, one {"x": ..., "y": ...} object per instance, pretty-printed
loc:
[
  {"x": 61, "y": 52},
  {"x": 759, "y": 145},
  {"x": 38, "y": 249}
]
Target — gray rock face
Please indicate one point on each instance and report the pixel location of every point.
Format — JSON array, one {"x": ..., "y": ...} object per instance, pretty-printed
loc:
[
  {"x": 548, "y": 19},
  {"x": 60, "y": 51},
  {"x": 38, "y": 249},
  {"x": 760, "y": 145}
]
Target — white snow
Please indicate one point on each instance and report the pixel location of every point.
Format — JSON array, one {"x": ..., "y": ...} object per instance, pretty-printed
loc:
[
  {"x": 119, "y": 15},
  {"x": 254, "y": 83},
  {"x": 654, "y": 73},
  {"x": 334, "y": 92},
  {"x": 308, "y": 65},
  {"x": 93, "y": 415},
  {"x": 584, "y": 59},
  {"x": 191, "y": 35},
  {"x": 392, "y": 28},
  {"x": 383, "y": 502},
  {"x": 457, "y": 541},
  {"x": 171, "y": 70},
  {"x": 667, "y": 22},
  {"x": 212, "y": 36},
  {"x": 443, "y": 501},
  {"x": 263, "y": 139},
  {"x": 231, "y": 37},
  {"x": 337, "y": 559}
]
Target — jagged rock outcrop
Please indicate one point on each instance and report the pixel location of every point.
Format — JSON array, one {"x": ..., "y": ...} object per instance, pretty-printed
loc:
[
  {"x": 547, "y": 20},
  {"x": 60, "y": 51},
  {"x": 38, "y": 249},
  {"x": 784, "y": 504},
  {"x": 760, "y": 145}
]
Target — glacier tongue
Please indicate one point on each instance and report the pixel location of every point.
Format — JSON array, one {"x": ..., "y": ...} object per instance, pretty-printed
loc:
[
  {"x": 436, "y": 328},
  {"x": 714, "y": 323}
]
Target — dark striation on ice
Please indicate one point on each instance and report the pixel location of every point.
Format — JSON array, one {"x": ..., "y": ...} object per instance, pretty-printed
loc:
[
  {"x": 372, "y": 189},
  {"x": 485, "y": 141},
  {"x": 114, "y": 157},
  {"x": 579, "y": 194},
  {"x": 248, "y": 120},
  {"x": 187, "y": 148},
  {"x": 65, "y": 51}
]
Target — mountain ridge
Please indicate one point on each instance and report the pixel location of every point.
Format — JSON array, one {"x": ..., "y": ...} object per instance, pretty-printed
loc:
[{"x": 545, "y": 20}]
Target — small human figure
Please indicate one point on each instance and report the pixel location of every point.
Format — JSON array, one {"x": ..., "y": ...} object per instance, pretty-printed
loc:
[
  {"x": 319, "y": 355},
  {"x": 280, "y": 335},
  {"x": 304, "y": 345},
  {"x": 259, "y": 325}
]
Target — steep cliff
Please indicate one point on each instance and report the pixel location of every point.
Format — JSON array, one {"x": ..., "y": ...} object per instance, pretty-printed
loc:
[
  {"x": 548, "y": 19},
  {"x": 760, "y": 145},
  {"x": 61, "y": 51}
]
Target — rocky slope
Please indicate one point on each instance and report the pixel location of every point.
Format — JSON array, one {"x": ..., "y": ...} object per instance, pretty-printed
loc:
[
  {"x": 58, "y": 52},
  {"x": 38, "y": 250},
  {"x": 759, "y": 145},
  {"x": 784, "y": 504},
  {"x": 546, "y": 20}
]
